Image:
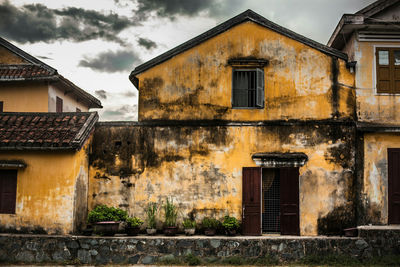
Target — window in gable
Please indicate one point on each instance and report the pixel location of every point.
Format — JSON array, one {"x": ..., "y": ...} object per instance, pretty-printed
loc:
[
  {"x": 8, "y": 191},
  {"x": 1, "y": 106},
  {"x": 248, "y": 88},
  {"x": 59, "y": 104},
  {"x": 388, "y": 70}
]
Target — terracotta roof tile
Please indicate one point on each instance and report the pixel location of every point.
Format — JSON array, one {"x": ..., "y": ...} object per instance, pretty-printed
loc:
[
  {"x": 45, "y": 131},
  {"x": 9, "y": 72}
]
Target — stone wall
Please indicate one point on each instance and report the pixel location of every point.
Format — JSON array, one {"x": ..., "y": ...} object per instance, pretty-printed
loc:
[{"x": 148, "y": 250}]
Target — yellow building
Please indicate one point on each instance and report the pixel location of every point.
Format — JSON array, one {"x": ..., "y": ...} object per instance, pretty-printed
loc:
[
  {"x": 29, "y": 85},
  {"x": 248, "y": 119},
  {"x": 44, "y": 171},
  {"x": 371, "y": 39},
  {"x": 43, "y": 146}
]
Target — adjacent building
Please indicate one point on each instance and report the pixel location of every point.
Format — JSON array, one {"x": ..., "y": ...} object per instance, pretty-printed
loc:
[{"x": 371, "y": 38}]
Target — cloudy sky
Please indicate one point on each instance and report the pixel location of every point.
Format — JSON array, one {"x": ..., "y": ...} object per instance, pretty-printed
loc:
[{"x": 96, "y": 44}]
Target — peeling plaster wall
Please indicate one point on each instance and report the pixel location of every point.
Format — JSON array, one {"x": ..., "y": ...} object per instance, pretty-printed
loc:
[
  {"x": 300, "y": 82},
  {"x": 201, "y": 168},
  {"x": 47, "y": 191},
  {"x": 373, "y": 107},
  {"x": 375, "y": 189}
]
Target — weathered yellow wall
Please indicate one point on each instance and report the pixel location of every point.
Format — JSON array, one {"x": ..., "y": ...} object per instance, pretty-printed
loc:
[
  {"x": 370, "y": 105},
  {"x": 24, "y": 97},
  {"x": 375, "y": 189},
  {"x": 7, "y": 57},
  {"x": 196, "y": 84},
  {"x": 46, "y": 191},
  {"x": 201, "y": 168}
]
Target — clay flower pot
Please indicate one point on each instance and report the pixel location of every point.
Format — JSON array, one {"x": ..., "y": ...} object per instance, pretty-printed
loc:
[
  {"x": 106, "y": 228},
  {"x": 151, "y": 231},
  {"x": 132, "y": 231},
  {"x": 170, "y": 230},
  {"x": 190, "y": 231},
  {"x": 210, "y": 231}
]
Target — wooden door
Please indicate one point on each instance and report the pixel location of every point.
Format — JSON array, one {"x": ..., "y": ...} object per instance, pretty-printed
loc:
[
  {"x": 8, "y": 190},
  {"x": 251, "y": 221},
  {"x": 394, "y": 185},
  {"x": 289, "y": 189}
]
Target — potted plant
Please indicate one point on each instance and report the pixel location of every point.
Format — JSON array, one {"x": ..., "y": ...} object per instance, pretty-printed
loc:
[
  {"x": 210, "y": 225},
  {"x": 189, "y": 226},
  {"x": 230, "y": 225},
  {"x": 151, "y": 218},
  {"x": 106, "y": 219},
  {"x": 170, "y": 213},
  {"x": 133, "y": 225}
]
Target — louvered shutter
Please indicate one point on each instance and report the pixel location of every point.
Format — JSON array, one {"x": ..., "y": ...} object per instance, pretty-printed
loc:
[
  {"x": 383, "y": 71},
  {"x": 260, "y": 88},
  {"x": 8, "y": 190}
]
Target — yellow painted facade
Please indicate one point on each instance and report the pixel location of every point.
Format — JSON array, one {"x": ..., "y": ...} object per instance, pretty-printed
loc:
[
  {"x": 371, "y": 106},
  {"x": 196, "y": 84},
  {"x": 6, "y": 57},
  {"x": 24, "y": 97},
  {"x": 51, "y": 192}
]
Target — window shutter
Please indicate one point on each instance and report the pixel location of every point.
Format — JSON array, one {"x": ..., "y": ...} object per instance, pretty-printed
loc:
[
  {"x": 260, "y": 88},
  {"x": 8, "y": 191},
  {"x": 383, "y": 71}
]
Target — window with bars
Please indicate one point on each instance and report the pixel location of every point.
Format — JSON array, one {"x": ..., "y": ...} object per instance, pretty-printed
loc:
[
  {"x": 248, "y": 88},
  {"x": 388, "y": 70}
]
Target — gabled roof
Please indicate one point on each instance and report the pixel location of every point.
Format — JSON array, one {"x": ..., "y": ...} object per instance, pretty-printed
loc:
[
  {"x": 45, "y": 131},
  {"x": 248, "y": 15},
  {"x": 37, "y": 70},
  {"x": 363, "y": 20}
]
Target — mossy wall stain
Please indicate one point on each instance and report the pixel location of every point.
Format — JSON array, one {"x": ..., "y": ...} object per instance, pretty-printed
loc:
[
  {"x": 201, "y": 167},
  {"x": 300, "y": 82}
]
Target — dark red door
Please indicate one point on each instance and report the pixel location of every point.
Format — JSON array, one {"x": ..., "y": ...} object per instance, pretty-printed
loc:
[
  {"x": 394, "y": 185},
  {"x": 290, "y": 221},
  {"x": 251, "y": 221},
  {"x": 8, "y": 189}
]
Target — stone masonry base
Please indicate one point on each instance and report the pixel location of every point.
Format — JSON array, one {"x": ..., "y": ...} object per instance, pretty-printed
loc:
[{"x": 150, "y": 249}]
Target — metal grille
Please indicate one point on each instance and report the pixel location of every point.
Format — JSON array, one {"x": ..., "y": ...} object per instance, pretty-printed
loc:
[
  {"x": 271, "y": 201},
  {"x": 244, "y": 88}
]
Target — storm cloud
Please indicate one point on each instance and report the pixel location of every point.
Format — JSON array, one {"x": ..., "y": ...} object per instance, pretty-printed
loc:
[
  {"x": 35, "y": 22},
  {"x": 147, "y": 43},
  {"x": 172, "y": 8},
  {"x": 111, "y": 61},
  {"x": 101, "y": 94}
]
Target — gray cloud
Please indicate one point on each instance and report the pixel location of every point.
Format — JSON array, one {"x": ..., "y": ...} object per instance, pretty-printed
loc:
[
  {"x": 125, "y": 112},
  {"x": 172, "y": 8},
  {"x": 129, "y": 94},
  {"x": 147, "y": 43},
  {"x": 111, "y": 61},
  {"x": 101, "y": 93},
  {"x": 35, "y": 22}
]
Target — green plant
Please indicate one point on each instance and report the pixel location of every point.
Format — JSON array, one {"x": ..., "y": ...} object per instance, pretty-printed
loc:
[
  {"x": 211, "y": 223},
  {"x": 151, "y": 215},
  {"x": 171, "y": 213},
  {"x": 192, "y": 260},
  {"x": 230, "y": 223},
  {"x": 103, "y": 213},
  {"x": 134, "y": 222},
  {"x": 188, "y": 223}
]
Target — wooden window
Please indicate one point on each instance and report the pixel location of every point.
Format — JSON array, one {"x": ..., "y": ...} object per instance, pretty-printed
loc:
[
  {"x": 1, "y": 106},
  {"x": 78, "y": 110},
  {"x": 248, "y": 88},
  {"x": 388, "y": 70},
  {"x": 8, "y": 191},
  {"x": 59, "y": 104}
]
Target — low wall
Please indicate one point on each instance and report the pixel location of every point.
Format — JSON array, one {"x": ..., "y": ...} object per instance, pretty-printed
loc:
[{"x": 148, "y": 250}]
